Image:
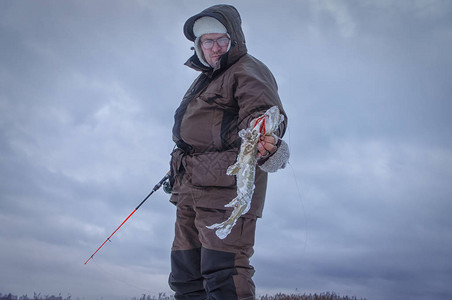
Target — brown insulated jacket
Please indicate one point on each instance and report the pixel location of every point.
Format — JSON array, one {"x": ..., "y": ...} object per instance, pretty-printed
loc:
[{"x": 220, "y": 102}]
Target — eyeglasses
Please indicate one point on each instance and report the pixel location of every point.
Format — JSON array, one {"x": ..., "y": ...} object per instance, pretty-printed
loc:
[{"x": 222, "y": 42}]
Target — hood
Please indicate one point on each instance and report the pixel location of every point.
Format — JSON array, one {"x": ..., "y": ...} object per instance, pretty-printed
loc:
[{"x": 230, "y": 18}]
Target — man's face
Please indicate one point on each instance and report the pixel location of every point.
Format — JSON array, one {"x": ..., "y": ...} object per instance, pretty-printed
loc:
[{"x": 213, "y": 54}]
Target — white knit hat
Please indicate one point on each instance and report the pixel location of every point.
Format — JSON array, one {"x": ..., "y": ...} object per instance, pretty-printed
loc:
[{"x": 206, "y": 25}]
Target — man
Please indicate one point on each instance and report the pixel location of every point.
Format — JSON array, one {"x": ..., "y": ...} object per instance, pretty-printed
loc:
[{"x": 233, "y": 89}]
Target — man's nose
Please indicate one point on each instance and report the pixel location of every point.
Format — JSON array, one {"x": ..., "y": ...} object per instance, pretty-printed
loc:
[{"x": 215, "y": 46}]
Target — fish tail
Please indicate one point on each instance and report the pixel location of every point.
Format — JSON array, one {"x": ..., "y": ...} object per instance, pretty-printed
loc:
[{"x": 222, "y": 229}]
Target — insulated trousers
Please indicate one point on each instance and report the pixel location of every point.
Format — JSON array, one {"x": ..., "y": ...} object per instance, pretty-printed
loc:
[{"x": 205, "y": 267}]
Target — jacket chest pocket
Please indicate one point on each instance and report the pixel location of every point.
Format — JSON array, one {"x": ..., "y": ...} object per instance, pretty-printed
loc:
[{"x": 220, "y": 97}]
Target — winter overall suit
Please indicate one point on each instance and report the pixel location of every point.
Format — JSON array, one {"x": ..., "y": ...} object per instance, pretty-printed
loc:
[{"x": 220, "y": 102}]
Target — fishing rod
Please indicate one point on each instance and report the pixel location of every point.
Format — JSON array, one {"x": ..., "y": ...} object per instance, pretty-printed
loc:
[{"x": 156, "y": 187}]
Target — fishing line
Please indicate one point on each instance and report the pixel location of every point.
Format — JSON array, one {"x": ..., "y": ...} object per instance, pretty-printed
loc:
[
  {"x": 111, "y": 276},
  {"x": 303, "y": 207}
]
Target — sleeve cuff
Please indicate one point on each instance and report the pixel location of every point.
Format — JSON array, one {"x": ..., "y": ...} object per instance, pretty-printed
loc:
[{"x": 277, "y": 160}]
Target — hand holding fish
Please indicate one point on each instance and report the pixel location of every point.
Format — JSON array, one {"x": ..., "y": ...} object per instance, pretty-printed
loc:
[
  {"x": 257, "y": 141},
  {"x": 266, "y": 146}
]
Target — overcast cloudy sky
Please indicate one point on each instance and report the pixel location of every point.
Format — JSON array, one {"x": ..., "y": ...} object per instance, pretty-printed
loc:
[{"x": 87, "y": 95}]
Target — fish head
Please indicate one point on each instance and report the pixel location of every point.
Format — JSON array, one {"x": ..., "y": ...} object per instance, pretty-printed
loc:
[{"x": 272, "y": 119}]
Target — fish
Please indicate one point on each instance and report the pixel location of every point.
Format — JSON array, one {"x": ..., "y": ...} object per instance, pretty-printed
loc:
[{"x": 245, "y": 167}]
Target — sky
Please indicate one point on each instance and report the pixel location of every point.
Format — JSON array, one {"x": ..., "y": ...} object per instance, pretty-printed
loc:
[{"x": 88, "y": 90}]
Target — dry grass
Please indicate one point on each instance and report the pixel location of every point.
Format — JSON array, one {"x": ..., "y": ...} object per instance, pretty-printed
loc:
[
  {"x": 163, "y": 296},
  {"x": 323, "y": 296}
]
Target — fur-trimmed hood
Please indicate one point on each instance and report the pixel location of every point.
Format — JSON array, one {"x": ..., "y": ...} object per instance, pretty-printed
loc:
[{"x": 230, "y": 18}]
